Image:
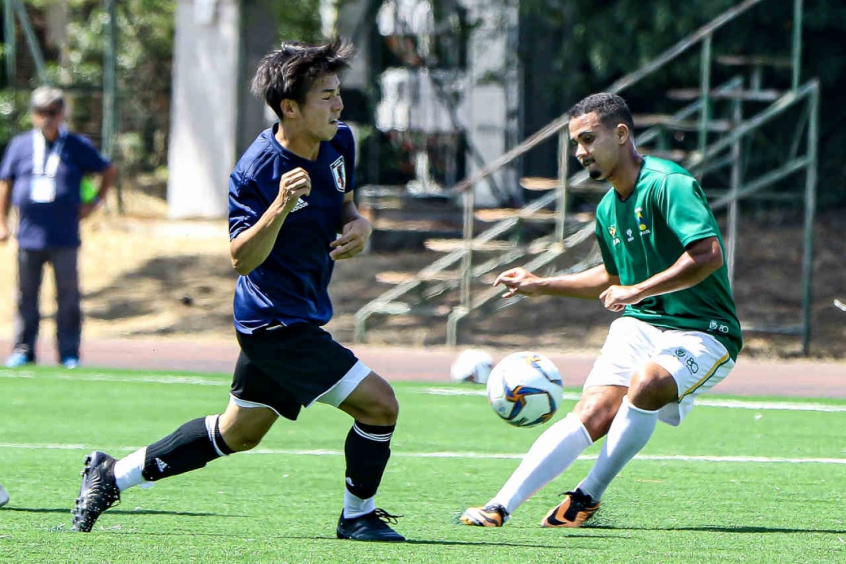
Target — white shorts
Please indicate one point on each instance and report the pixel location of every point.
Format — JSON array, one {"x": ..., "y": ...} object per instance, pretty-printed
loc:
[{"x": 697, "y": 361}]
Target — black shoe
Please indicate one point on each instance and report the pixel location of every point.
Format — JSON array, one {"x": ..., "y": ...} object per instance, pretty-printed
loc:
[
  {"x": 97, "y": 492},
  {"x": 370, "y": 527}
]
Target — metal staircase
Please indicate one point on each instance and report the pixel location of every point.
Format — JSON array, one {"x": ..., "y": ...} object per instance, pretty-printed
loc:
[{"x": 718, "y": 145}]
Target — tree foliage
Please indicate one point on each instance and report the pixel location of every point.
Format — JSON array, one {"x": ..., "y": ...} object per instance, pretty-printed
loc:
[
  {"x": 594, "y": 44},
  {"x": 567, "y": 49}
]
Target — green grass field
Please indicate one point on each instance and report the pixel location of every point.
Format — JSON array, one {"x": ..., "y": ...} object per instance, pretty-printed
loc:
[{"x": 749, "y": 483}]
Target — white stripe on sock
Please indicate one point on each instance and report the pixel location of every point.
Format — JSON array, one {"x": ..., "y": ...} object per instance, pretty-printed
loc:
[
  {"x": 379, "y": 438},
  {"x": 211, "y": 423}
]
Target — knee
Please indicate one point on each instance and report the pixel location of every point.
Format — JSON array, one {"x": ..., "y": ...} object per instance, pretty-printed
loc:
[
  {"x": 383, "y": 409},
  {"x": 652, "y": 391},
  {"x": 241, "y": 440},
  {"x": 596, "y": 414}
]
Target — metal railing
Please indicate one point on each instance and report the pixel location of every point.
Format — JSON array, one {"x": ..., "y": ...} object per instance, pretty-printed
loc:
[{"x": 705, "y": 159}]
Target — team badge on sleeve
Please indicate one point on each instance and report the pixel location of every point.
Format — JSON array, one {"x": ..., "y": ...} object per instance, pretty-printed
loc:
[{"x": 339, "y": 174}]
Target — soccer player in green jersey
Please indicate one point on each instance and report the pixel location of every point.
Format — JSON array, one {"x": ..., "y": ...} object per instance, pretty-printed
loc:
[{"x": 678, "y": 336}]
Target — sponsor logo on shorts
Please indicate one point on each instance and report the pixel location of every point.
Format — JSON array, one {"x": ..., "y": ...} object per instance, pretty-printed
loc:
[{"x": 687, "y": 359}]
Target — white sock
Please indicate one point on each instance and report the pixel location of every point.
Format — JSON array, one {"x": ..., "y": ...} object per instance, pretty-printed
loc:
[
  {"x": 630, "y": 431},
  {"x": 356, "y": 507},
  {"x": 128, "y": 471},
  {"x": 549, "y": 456}
]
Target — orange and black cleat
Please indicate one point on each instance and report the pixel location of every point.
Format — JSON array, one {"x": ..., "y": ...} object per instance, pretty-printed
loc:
[
  {"x": 576, "y": 508},
  {"x": 493, "y": 515}
]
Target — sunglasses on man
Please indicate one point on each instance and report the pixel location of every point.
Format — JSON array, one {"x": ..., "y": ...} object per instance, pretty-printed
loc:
[{"x": 48, "y": 112}]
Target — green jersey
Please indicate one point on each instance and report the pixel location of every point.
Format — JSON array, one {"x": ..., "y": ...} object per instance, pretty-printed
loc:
[{"x": 647, "y": 233}]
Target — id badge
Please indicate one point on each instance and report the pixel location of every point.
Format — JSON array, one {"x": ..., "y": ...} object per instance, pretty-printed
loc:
[{"x": 43, "y": 189}]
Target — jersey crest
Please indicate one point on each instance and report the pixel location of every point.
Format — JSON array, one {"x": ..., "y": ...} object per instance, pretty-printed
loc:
[
  {"x": 613, "y": 232},
  {"x": 339, "y": 174}
]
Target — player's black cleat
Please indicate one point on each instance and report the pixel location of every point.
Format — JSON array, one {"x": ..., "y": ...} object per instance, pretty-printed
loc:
[
  {"x": 97, "y": 492},
  {"x": 370, "y": 527}
]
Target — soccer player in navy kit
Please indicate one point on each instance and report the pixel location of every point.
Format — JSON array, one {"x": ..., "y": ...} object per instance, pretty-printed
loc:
[{"x": 291, "y": 215}]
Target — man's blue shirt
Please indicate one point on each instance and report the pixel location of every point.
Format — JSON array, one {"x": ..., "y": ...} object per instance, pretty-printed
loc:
[
  {"x": 292, "y": 284},
  {"x": 55, "y": 223}
]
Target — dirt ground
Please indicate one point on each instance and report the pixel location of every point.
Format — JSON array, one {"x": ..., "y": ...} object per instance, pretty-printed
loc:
[{"x": 145, "y": 277}]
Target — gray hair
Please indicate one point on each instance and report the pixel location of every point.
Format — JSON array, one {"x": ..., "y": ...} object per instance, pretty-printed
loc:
[{"x": 45, "y": 96}]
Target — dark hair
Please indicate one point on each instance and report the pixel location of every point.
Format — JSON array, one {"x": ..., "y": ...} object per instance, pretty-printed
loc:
[
  {"x": 288, "y": 72},
  {"x": 610, "y": 108}
]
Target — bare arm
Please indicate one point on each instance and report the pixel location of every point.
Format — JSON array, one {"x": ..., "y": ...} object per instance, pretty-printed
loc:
[
  {"x": 5, "y": 207},
  {"x": 355, "y": 232},
  {"x": 588, "y": 284},
  {"x": 252, "y": 246},
  {"x": 701, "y": 259},
  {"x": 107, "y": 180}
]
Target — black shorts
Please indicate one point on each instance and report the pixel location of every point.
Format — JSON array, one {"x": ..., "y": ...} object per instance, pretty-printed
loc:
[{"x": 287, "y": 367}]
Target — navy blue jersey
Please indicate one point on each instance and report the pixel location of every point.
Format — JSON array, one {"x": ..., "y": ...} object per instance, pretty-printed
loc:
[
  {"x": 292, "y": 284},
  {"x": 55, "y": 223}
]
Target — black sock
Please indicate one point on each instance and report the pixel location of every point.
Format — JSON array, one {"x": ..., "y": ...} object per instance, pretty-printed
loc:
[
  {"x": 188, "y": 448},
  {"x": 367, "y": 450}
]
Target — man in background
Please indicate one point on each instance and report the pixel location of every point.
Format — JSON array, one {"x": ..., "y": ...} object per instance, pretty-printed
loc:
[{"x": 40, "y": 175}]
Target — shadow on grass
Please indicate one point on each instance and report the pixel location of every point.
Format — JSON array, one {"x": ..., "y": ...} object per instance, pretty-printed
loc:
[
  {"x": 513, "y": 544},
  {"x": 438, "y": 542},
  {"x": 120, "y": 512},
  {"x": 442, "y": 542},
  {"x": 709, "y": 529}
]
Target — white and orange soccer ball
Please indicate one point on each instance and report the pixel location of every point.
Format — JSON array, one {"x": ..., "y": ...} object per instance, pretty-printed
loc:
[{"x": 525, "y": 389}]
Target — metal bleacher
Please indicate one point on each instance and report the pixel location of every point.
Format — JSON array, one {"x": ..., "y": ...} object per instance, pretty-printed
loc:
[{"x": 548, "y": 236}]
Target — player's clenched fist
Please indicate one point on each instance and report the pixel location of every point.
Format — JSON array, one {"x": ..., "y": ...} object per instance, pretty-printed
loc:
[{"x": 293, "y": 185}]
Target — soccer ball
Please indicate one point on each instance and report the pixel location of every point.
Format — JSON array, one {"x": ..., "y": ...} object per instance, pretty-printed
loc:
[
  {"x": 525, "y": 389},
  {"x": 472, "y": 365}
]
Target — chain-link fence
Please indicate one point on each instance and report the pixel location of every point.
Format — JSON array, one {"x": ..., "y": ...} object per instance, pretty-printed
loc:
[{"x": 113, "y": 60}]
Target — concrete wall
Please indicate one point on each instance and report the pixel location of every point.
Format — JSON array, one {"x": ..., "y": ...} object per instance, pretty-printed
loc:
[
  {"x": 492, "y": 99},
  {"x": 213, "y": 117}
]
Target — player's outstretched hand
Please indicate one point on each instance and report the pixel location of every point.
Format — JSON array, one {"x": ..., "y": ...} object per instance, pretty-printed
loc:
[
  {"x": 352, "y": 241},
  {"x": 616, "y": 298},
  {"x": 518, "y": 281},
  {"x": 293, "y": 185}
]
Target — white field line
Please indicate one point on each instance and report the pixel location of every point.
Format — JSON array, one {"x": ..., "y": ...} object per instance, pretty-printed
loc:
[
  {"x": 731, "y": 404},
  {"x": 473, "y": 455},
  {"x": 96, "y": 377},
  {"x": 203, "y": 381}
]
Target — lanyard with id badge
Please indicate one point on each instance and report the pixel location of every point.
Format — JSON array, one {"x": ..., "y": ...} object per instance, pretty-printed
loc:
[{"x": 43, "y": 187}]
